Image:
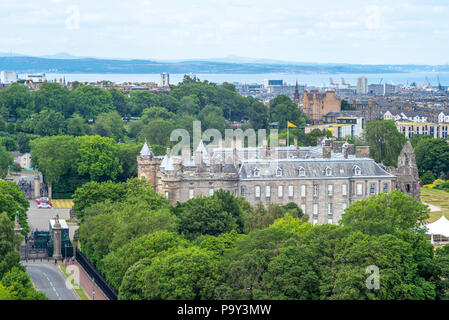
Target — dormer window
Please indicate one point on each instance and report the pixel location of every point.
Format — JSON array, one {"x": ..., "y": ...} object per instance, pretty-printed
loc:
[
  {"x": 357, "y": 171},
  {"x": 301, "y": 172},
  {"x": 328, "y": 171},
  {"x": 256, "y": 172},
  {"x": 278, "y": 172}
]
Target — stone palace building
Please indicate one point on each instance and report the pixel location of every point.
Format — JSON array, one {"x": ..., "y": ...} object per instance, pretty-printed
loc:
[{"x": 323, "y": 181}]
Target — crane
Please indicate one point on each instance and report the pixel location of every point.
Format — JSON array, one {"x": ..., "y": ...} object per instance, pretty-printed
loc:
[{"x": 380, "y": 82}]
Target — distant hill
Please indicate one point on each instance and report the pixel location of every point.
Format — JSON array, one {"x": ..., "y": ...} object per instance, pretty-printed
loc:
[{"x": 65, "y": 63}]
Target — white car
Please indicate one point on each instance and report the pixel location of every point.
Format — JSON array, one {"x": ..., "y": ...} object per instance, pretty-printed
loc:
[{"x": 44, "y": 205}]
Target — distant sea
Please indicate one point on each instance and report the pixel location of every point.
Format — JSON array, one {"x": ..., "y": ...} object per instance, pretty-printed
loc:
[{"x": 317, "y": 79}]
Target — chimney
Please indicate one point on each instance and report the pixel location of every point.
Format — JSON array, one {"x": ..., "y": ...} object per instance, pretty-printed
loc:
[
  {"x": 362, "y": 151},
  {"x": 337, "y": 146},
  {"x": 326, "y": 152},
  {"x": 349, "y": 149}
]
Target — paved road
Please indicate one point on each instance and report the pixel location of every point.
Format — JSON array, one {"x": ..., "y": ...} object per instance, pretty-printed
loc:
[
  {"x": 38, "y": 218},
  {"x": 48, "y": 279}
]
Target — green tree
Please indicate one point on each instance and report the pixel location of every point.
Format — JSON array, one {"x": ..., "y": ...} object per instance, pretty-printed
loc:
[
  {"x": 120, "y": 102},
  {"x": 77, "y": 126},
  {"x": 97, "y": 158},
  {"x": 53, "y": 96},
  {"x": 12, "y": 201},
  {"x": 110, "y": 125},
  {"x": 54, "y": 156},
  {"x": 432, "y": 155},
  {"x": 386, "y": 213},
  {"x": 116, "y": 263},
  {"x": 157, "y": 132},
  {"x": 385, "y": 141},
  {"x": 258, "y": 114},
  {"x": 6, "y": 160},
  {"x": 90, "y": 101},
  {"x": 209, "y": 215},
  {"x": 184, "y": 273}
]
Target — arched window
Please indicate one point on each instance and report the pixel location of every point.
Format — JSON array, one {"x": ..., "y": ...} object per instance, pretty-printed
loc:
[
  {"x": 301, "y": 172},
  {"x": 328, "y": 171},
  {"x": 357, "y": 171},
  {"x": 278, "y": 172}
]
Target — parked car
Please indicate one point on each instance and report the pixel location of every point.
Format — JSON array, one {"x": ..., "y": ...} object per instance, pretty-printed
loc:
[
  {"x": 43, "y": 201},
  {"x": 44, "y": 205}
]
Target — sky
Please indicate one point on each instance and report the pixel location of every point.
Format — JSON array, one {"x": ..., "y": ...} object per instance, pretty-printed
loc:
[{"x": 345, "y": 31}]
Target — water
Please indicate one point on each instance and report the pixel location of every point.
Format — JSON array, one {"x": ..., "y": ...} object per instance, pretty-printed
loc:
[{"x": 318, "y": 79}]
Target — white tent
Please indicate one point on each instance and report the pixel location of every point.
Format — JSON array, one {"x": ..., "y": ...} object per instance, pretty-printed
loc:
[{"x": 439, "y": 227}]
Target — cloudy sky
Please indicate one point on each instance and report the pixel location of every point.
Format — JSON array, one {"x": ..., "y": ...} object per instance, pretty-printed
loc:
[{"x": 345, "y": 31}]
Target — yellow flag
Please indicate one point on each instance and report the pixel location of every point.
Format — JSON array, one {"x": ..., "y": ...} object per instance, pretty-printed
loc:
[{"x": 291, "y": 125}]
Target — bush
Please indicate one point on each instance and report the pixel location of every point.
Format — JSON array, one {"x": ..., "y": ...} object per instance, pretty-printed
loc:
[{"x": 427, "y": 178}]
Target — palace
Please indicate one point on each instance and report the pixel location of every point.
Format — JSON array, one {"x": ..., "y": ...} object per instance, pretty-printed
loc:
[{"x": 322, "y": 180}]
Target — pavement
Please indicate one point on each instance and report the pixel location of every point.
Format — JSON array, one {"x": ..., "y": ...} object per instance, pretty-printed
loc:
[
  {"x": 47, "y": 278},
  {"x": 39, "y": 218}
]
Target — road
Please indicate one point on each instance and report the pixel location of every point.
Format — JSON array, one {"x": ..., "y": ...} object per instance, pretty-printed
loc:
[
  {"x": 48, "y": 279},
  {"x": 39, "y": 218}
]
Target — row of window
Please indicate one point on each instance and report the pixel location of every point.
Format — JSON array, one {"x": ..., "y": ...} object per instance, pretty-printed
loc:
[
  {"x": 303, "y": 189},
  {"x": 301, "y": 172}
]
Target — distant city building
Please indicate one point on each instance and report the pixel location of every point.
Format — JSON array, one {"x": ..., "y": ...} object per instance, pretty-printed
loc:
[
  {"x": 268, "y": 83},
  {"x": 8, "y": 77},
  {"x": 35, "y": 77},
  {"x": 381, "y": 89},
  {"x": 436, "y": 130},
  {"x": 362, "y": 85},
  {"x": 165, "y": 79},
  {"x": 344, "y": 126},
  {"x": 316, "y": 105}
]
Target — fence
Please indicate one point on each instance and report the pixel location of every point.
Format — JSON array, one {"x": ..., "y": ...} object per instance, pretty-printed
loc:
[{"x": 94, "y": 274}]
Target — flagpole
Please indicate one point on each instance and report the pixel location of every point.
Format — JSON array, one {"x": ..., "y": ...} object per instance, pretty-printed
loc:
[{"x": 288, "y": 135}]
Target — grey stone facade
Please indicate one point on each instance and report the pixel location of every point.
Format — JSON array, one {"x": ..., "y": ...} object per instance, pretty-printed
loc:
[{"x": 322, "y": 180}]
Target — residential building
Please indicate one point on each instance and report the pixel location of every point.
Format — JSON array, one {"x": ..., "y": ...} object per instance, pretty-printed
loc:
[
  {"x": 362, "y": 85},
  {"x": 316, "y": 105}
]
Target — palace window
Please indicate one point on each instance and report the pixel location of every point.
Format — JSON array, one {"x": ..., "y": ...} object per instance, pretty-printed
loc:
[
  {"x": 330, "y": 189},
  {"x": 280, "y": 191},
  {"x": 256, "y": 172},
  {"x": 303, "y": 208},
  {"x": 328, "y": 171},
  {"x": 301, "y": 172},
  {"x": 278, "y": 172},
  {"x": 315, "y": 190},
  {"x": 267, "y": 191},
  {"x": 190, "y": 193},
  {"x": 329, "y": 208},
  {"x": 372, "y": 189},
  {"x": 303, "y": 190},
  {"x": 257, "y": 191},
  {"x": 344, "y": 189},
  {"x": 211, "y": 192},
  {"x": 242, "y": 191},
  {"x": 290, "y": 191},
  {"x": 359, "y": 189},
  {"x": 315, "y": 208},
  {"x": 386, "y": 187},
  {"x": 357, "y": 171}
]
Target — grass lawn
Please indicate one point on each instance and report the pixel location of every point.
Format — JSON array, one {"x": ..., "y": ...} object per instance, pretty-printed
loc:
[
  {"x": 80, "y": 292},
  {"x": 437, "y": 198},
  {"x": 62, "y": 203}
]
